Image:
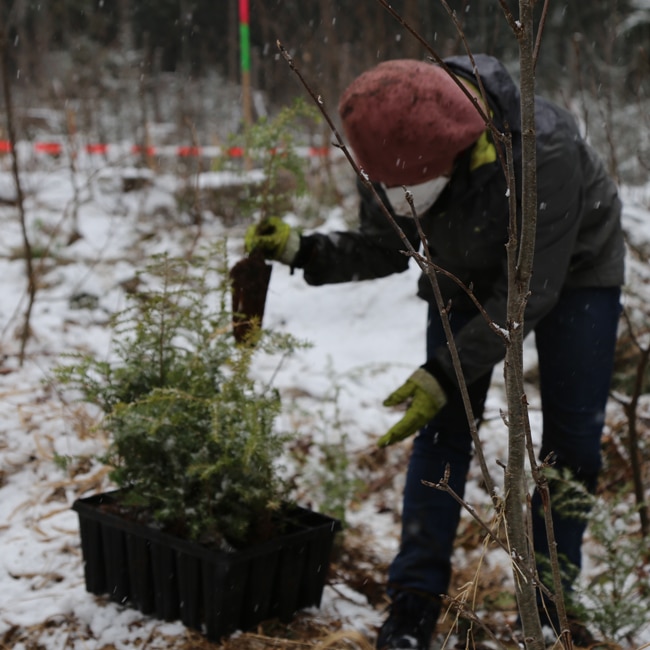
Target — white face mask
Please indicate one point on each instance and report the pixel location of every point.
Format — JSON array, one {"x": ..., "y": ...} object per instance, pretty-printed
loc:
[{"x": 424, "y": 196}]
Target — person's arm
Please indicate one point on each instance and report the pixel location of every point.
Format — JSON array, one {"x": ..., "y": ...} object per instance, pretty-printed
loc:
[{"x": 373, "y": 251}]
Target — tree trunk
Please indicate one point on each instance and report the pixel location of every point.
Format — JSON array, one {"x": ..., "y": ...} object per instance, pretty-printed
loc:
[
  {"x": 521, "y": 249},
  {"x": 11, "y": 132}
]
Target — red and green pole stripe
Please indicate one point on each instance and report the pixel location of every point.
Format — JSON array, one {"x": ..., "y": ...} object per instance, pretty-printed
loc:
[
  {"x": 244, "y": 36},
  {"x": 245, "y": 58}
]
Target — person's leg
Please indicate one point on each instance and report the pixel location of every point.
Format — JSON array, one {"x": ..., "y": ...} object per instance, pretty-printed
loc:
[
  {"x": 420, "y": 572},
  {"x": 430, "y": 516},
  {"x": 575, "y": 343}
]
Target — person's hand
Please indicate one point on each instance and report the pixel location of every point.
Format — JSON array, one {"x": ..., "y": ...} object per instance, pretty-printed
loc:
[
  {"x": 276, "y": 239},
  {"x": 424, "y": 398}
]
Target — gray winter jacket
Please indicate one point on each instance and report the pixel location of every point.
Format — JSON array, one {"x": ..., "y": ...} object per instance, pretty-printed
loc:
[{"x": 579, "y": 241}]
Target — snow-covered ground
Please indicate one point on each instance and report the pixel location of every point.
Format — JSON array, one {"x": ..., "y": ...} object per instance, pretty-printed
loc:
[{"x": 366, "y": 338}]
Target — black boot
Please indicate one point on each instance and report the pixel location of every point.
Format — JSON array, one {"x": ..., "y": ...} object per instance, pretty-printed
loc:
[{"x": 410, "y": 623}]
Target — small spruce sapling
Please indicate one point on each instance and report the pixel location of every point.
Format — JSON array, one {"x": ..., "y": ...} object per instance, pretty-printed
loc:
[
  {"x": 271, "y": 144},
  {"x": 617, "y": 595},
  {"x": 192, "y": 435},
  {"x": 614, "y": 597}
]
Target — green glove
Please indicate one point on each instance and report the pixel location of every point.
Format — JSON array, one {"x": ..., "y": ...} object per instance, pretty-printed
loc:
[
  {"x": 276, "y": 239},
  {"x": 425, "y": 398}
]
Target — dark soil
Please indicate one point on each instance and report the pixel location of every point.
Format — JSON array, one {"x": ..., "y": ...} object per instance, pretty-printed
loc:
[{"x": 250, "y": 281}]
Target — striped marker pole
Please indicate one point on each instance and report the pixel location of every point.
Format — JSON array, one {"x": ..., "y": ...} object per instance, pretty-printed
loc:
[{"x": 245, "y": 59}]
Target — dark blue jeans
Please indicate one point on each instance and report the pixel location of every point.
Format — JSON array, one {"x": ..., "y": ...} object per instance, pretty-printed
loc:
[{"x": 575, "y": 345}]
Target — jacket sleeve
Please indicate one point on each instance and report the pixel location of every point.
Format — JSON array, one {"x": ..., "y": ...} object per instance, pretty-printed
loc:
[
  {"x": 559, "y": 198},
  {"x": 374, "y": 250}
]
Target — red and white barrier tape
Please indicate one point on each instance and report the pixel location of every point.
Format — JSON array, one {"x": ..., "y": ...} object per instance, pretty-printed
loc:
[{"x": 57, "y": 149}]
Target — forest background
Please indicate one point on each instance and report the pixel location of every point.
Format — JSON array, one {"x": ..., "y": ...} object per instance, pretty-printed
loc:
[{"x": 179, "y": 59}]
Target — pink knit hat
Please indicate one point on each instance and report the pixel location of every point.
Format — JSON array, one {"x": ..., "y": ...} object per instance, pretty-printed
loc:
[{"x": 406, "y": 121}]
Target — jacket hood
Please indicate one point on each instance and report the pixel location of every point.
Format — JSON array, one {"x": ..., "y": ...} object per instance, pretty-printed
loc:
[{"x": 503, "y": 93}]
